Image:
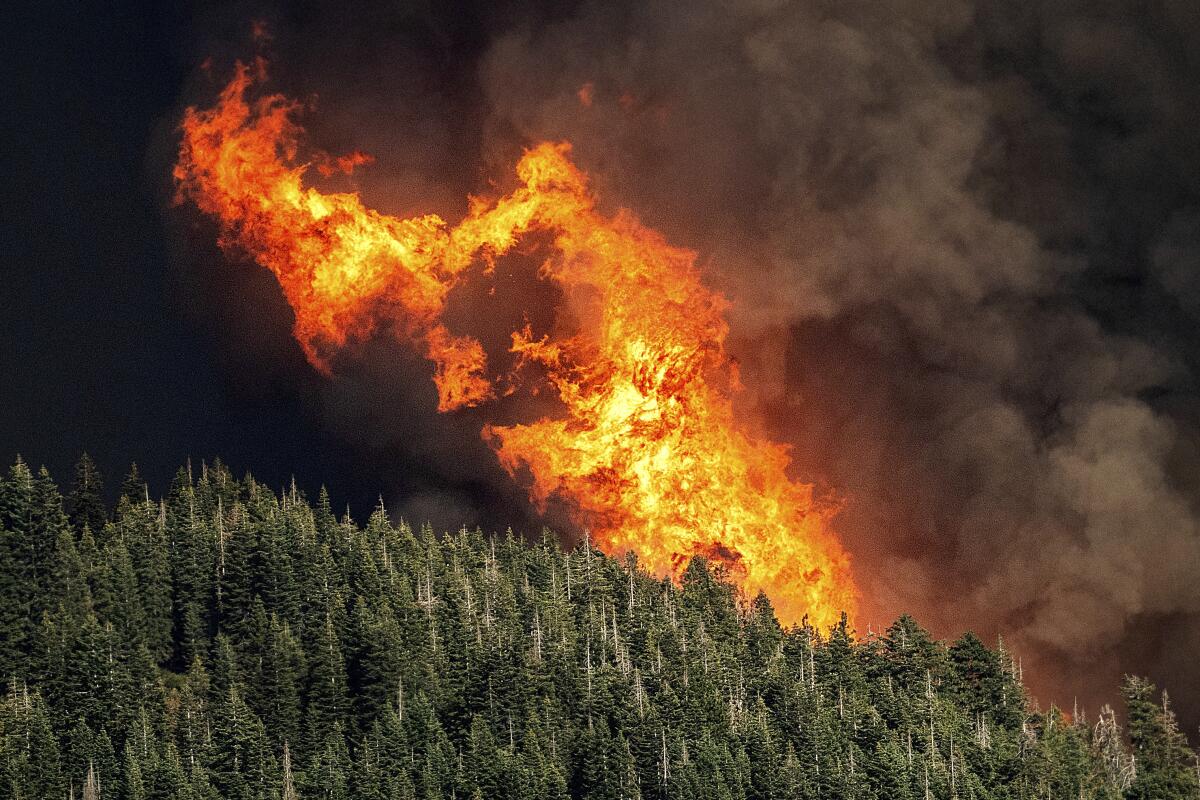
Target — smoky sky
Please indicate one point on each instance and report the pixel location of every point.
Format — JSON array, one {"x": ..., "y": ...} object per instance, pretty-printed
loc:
[{"x": 961, "y": 240}]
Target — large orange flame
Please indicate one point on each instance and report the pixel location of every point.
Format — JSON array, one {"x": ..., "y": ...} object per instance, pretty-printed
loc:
[{"x": 648, "y": 452}]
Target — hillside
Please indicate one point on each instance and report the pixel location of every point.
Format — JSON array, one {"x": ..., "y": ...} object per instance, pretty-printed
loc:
[{"x": 230, "y": 642}]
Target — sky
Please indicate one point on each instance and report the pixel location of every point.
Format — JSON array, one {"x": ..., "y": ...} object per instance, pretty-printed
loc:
[{"x": 961, "y": 238}]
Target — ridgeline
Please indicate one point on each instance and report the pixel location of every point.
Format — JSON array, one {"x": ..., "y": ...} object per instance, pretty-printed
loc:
[{"x": 230, "y": 642}]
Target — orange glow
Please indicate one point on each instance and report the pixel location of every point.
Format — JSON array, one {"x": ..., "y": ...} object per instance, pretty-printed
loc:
[
  {"x": 329, "y": 165},
  {"x": 585, "y": 95},
  {"x": 647, "y": 451}
]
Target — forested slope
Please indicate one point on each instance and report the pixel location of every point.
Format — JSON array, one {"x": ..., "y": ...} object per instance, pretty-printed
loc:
[{"x": 228, "y": 641}]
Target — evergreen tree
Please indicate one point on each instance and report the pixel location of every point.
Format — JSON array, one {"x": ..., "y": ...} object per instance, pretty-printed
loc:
[
  {"x": 328, "y": 773},
  {"x": 48, "y": 520},
  {"x": 124, "y": 611},
  {"x": 192, "y": 721},
  {"x": 86, "y": 500},
  {"x": 282, "y": 669},
  {"x": 135, "y": 787},
  {"x": 142, "y": 531},
  {"x": 241, "y": 766},
  {"x": 18, "y": 569},
  {"x": 41, "y": 755},
  {"x": 133, "y": 488},
  {"x": 976, "y": 676},
  {"x": 1164, "y": 763},
  {"x": 326, "y": 688}
]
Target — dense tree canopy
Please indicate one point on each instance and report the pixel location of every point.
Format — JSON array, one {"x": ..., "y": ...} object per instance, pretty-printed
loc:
[{"x": 230, "y": 642}]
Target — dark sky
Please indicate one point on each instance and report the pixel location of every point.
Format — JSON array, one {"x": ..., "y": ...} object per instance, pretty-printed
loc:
[
  {"x": 98, "y": 350},
  {"x": 962, "y": 238},
  {"x": 107, "y": 347}
]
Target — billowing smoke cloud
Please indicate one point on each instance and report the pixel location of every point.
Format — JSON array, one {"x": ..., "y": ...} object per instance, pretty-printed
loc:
[
  {"x": 962, "y": 239},
  {"x": 963, "y": 245}
]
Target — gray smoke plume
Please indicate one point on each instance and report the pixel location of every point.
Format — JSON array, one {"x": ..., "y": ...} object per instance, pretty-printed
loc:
[{"x": 962, "y": 241}]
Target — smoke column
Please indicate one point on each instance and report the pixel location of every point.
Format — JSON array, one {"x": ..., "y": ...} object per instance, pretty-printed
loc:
[{"x": 965, "y": 287}]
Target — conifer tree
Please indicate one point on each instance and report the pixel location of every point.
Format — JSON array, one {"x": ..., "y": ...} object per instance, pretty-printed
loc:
[
  {"x": 1165, "y": 765},
  {"x": 48, "y": 520},
  {"x": 86, "y": 500},
  {"x": 133, "y": 488},
  {"x": 125, "y": 612},
  {"x": 143, "y": 535},
  {"x": 976, "y": 677},
  {"x": 328, "y": 774},
  {"x": 18, "y": 571},
  {"x": 241, "y": 766},
  {"x": 1116, "y": 763},
  {"x": 326, "y": 687},
  {"x": 281, "y": 673},
  {"x": 135, "y": 787},
  {"x": 44, "y": 776},
  {"x": 91, "y": 784}
]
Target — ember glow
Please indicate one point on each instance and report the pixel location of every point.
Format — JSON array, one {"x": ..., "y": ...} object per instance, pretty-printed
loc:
[{"x": 647, "y": 451}]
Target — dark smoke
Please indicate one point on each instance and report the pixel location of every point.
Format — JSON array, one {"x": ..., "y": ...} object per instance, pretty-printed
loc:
[{"x": 962, "y": 239}]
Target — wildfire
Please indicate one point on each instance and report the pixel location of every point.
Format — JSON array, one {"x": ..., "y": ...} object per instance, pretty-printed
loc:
[{"x": 648, "y": 452}]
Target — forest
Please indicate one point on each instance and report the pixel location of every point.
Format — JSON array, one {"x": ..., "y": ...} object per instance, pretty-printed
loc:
[{"x": 229, "y": 640}]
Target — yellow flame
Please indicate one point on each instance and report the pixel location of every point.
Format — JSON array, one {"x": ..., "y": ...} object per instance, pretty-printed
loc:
[{"x": 648, "y": 453}]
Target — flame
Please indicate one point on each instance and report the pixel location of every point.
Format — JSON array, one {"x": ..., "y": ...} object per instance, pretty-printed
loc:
[{"x": 648, "y": 452}]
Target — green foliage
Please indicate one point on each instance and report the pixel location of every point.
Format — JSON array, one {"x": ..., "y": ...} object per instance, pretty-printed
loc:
[
  {"x": 86, "y": 499},
  {"x": 229, "y": 642},
  {"x": 1166, "y": 766}
]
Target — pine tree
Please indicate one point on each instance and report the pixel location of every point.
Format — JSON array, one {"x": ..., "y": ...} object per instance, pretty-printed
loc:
[
  {"x": 326, "y": 687},
  {"x": 48, "y": 520},
  {"x": 166, "y": 778},
  {"x": 135, "y": 788},
  {"x": 18, "y": 569},
  {"x": 125, "y": 612},
  {"x": 133, "y": 488},
  {"x": 282, "y": 669},
  {"x": 241, "y": 767},
  {"x": 86, "y": 500},
  {"x": 976, "y": 678},
  {"x": 144, "y": 536},
  {"x": 104, "y": 766},
  {"x": 280, "y": 540},
  {"x": 193, "y": 556},
  {"x": 193, "y": 721},
  {"x": 237, "y": 566},
  {"x": 43, "y": 776},
  {"x": 328, "y": 774},
  {"x": 375, "y": 665},
  {"x": 1165, "y": 764},
  {"x": 91, "y": 784}
]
